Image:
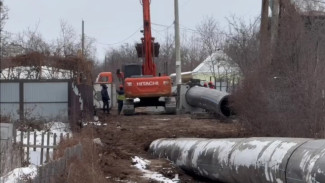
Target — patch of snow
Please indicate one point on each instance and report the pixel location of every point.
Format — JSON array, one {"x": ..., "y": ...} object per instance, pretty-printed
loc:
[
  {"x": 77, "y": 93},
  {"x": 57, "y": 128},
  {"x": 98, "y": 141},
  {"x": 310, "y": 160},
  {"x": 162, "y": 119},
  {"x": 53, "y": 128},
  {"x": 273, "y": 156},
  {"x": 248, "y": 155},
  {"x": 23, "y": 173},
  {"x": 142, "y": 165},
  {"x": 279, "y": 180},
  {"x": 95, "y": 123}
]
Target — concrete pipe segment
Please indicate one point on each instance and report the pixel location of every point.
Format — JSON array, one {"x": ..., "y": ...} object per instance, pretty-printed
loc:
[
  {"x": 247, "y": 160},
  {"x": 209, "y": 99}
]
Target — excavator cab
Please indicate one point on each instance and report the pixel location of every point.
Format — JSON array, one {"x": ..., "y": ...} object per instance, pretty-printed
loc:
[{"x": 132, "y": 70}]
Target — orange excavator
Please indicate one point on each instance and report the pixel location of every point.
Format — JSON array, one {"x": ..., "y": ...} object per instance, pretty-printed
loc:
[{"x": 141, "y": 81}]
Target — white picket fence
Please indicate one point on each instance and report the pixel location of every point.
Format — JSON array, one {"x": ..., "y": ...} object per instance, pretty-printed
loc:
[{"x": 43, "y": 144}]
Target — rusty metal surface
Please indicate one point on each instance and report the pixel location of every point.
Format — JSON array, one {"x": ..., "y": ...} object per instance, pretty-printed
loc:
[{"x": 247, "y": 160}]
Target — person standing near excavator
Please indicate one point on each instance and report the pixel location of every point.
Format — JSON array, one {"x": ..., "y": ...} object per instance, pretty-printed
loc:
[
  {"x": 120, "y": 98},
  {"x": 105, "y": 98}
]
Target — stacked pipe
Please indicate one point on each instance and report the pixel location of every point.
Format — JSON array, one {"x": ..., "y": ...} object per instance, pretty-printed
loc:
[
  {"x": 247, "y": 160},
  {"x": 211, "y": 100}
]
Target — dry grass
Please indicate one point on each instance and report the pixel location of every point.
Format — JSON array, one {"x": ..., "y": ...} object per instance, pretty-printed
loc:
[
  {"x": 285, "y": 96},
  {"x": 86, "y": 169}
]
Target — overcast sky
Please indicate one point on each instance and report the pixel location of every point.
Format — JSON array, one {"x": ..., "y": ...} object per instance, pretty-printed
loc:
[{"x": 112, "y": 22}]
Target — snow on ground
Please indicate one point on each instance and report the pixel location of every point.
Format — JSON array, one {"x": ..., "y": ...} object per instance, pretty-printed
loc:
[
  {"x": 96, "y": 122},
  {"x": 57, "y": 128},
  {"x": 142, "y": 165},
  {"x": 23, "y": 173}
]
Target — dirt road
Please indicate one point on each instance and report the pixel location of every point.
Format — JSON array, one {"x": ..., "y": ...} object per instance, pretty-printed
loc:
[{"x": 127, "y": 136}]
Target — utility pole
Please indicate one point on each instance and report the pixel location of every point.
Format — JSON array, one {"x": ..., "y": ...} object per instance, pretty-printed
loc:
[
  {"x": 83, "y": 39},
  {"x": 264, "y": 39},
  {"x": 105, "y": 63},
  {"x": 275, "y": 7},
  {"x": 177, "y": 45},
  {"x": 1, "y": 4}
]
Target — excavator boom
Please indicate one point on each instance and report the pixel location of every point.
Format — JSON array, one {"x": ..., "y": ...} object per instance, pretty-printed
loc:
[
  {"x": 149, "y": 67},
  {"x": 142, "y": 82}
]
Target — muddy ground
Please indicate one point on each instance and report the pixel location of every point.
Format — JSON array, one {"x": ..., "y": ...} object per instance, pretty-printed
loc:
[{"x": 127, "y": 136}]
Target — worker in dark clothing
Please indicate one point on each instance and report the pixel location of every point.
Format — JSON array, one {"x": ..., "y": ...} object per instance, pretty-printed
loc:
[
  {"x": 105, "y": 98},
  {"x": 120, "y": 98}
]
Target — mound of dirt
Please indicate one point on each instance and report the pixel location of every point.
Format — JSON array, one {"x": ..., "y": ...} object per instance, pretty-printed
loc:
[{"x": 125, "y": 137}]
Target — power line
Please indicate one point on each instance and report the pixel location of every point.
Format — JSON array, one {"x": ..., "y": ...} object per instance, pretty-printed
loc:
[
  {"x": 166, "y": 26},
  {"x": 122, "y": 41},
  {"x": 181, "y": 27}
]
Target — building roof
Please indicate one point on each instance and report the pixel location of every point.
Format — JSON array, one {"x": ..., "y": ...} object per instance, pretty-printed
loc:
[{"x": 218, "y": 60}]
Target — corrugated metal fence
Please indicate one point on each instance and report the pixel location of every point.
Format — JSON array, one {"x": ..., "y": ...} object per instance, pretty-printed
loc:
[{"x": 35, "y": 99}]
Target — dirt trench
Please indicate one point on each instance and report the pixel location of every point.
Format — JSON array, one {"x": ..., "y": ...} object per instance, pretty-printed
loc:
[{"x": 127, "y": 136}]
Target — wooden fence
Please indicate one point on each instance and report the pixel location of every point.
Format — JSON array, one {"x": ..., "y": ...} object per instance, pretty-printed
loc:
[
  {"x": 44, "y": 146},
  {"x": 50, "y": 171}
]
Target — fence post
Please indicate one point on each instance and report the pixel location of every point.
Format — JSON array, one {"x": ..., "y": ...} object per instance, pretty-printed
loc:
[
  {"x": 48, "y": 148},
  {"x": 22, "y": 137},
  {"x": 40, "y": 172},
  {"x": 22, "y": 147},
  {"x": 54, "y": 144},
  {"x": 15, "y": 132},
  {"x": 34, "y": 141},
  {"x": 48, "y": 172},
  {"x": 28, "y": 137},
  {"x": 227, "y": 87},
  {"x": 42, "y": 144}
]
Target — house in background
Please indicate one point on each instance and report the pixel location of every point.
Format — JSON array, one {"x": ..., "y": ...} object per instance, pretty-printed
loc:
[{"x": 217, "y": 68}]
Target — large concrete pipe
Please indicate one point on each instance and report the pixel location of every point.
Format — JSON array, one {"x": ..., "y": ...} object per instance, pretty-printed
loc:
[
  {"x": 209, "y": 99},
  {"x": 251, "y": 160}
]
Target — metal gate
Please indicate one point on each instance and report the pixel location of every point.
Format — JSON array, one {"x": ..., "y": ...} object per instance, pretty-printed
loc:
[{"x": 33, "y": 99}]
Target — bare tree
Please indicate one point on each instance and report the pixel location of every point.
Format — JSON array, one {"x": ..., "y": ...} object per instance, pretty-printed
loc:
[
  {"x": 166, "y": 62},
  {"x": 310, "y": 5},
  {"x": 242, "y": 44},
  {"x": 3, "y": 15},
  {"x": 212, "y": 40},
  {"x": 286, "y": 96},
  {"x": 4, "y": 35}
]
